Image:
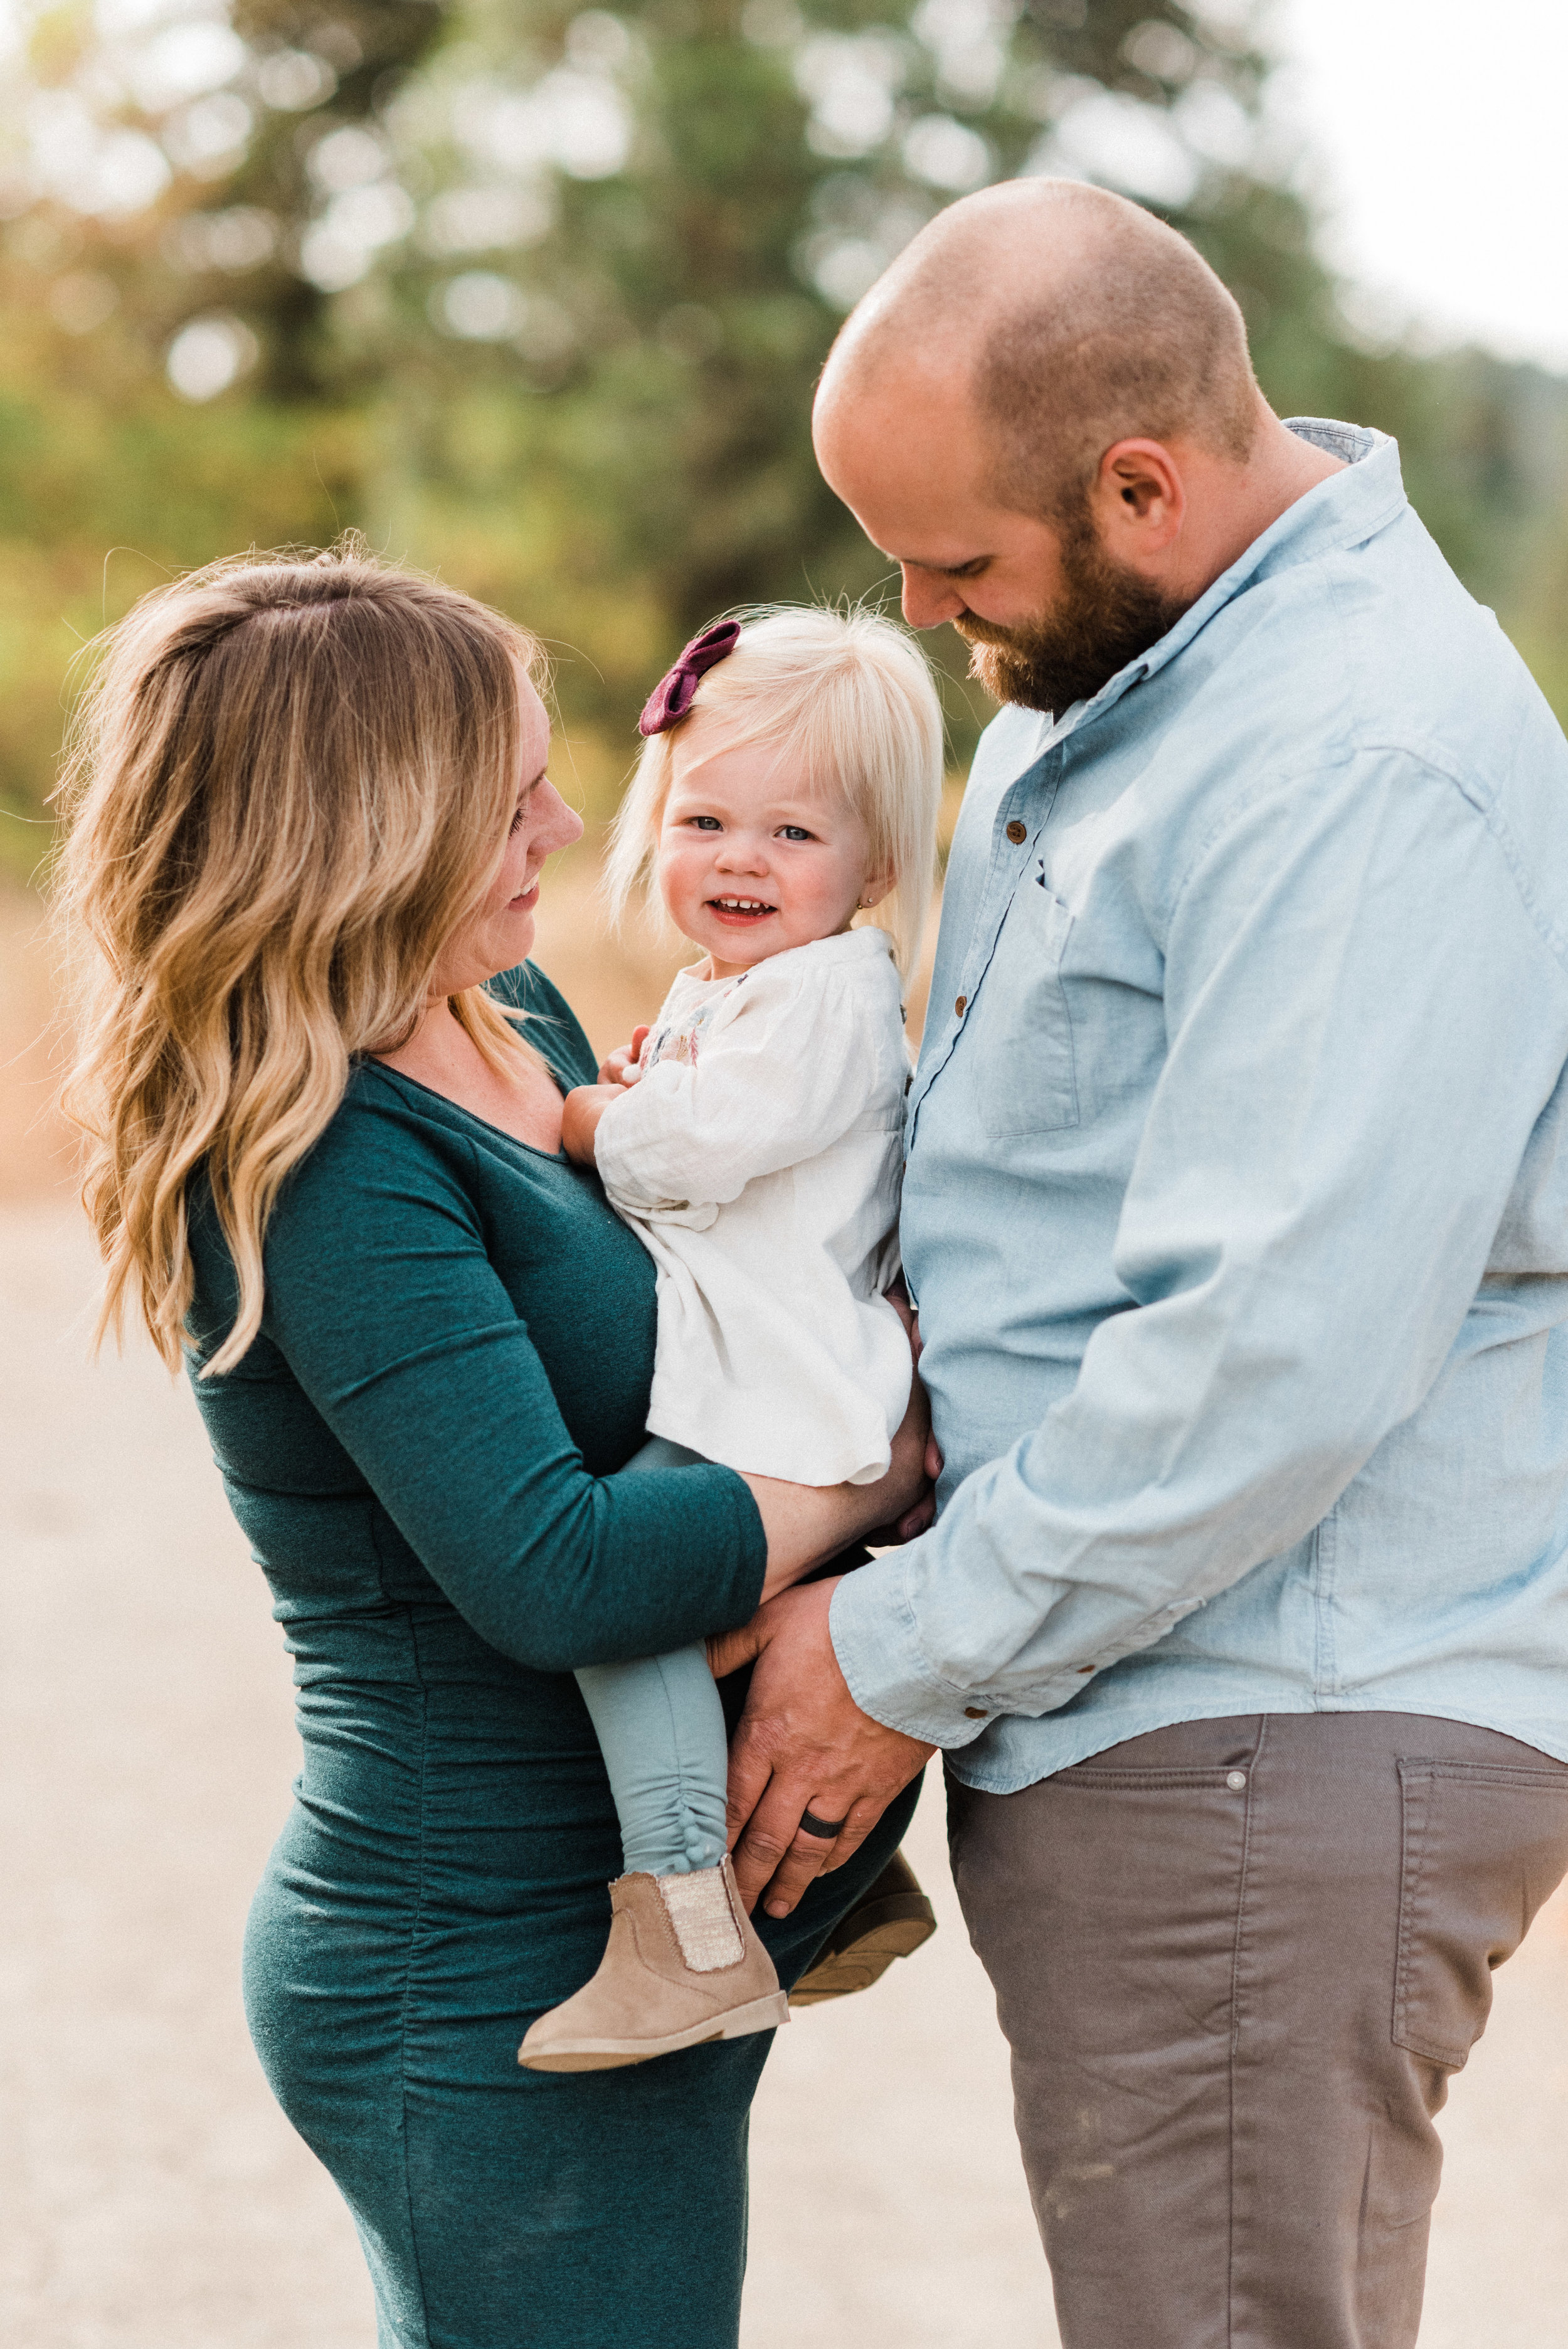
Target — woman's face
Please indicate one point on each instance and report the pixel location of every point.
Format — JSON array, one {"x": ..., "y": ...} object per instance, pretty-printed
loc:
[{"x": 498, "y": 933}]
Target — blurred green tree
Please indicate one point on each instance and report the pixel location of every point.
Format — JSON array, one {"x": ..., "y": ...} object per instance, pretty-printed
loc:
[
  {"x": 654, "y": 220},
  {"x": 538, "y": 294}
]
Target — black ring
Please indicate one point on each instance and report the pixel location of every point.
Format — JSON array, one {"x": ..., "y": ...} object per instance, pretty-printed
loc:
[{"x": 827, "y": 1828}]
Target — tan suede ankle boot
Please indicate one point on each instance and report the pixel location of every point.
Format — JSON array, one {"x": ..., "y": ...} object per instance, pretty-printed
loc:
[
  {"x": 892, "y": 1918},
  {"x": 683, "y": 1965}
]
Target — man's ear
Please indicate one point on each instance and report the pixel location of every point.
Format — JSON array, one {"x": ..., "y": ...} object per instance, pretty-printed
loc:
[{"x": 1140, "y": 501}]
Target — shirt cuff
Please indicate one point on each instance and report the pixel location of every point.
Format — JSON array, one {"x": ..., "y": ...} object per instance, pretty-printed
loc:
[{"x": 874, "y": 1637}]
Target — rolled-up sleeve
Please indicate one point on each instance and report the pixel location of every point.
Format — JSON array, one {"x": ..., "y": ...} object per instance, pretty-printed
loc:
[{"x": 1350, "y": 959}]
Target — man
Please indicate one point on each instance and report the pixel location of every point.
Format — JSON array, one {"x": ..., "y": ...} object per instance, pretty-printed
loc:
[{"x": 1236, "y": 1215}]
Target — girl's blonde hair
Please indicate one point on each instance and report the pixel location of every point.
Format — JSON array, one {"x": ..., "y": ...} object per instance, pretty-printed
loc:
[
  {"x": 288, "y": 784},
  {"x": 852, "y": 696}
]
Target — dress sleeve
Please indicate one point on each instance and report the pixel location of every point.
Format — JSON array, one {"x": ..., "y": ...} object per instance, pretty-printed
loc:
[
  {"x": 384, "y": 1303},
  {"x": 780, "y": 1077}
]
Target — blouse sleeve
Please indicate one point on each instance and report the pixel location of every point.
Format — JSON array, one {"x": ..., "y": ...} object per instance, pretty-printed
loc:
[
  {"x": 778, "y": 1078},
  {"x": 383, "y": 1301}
]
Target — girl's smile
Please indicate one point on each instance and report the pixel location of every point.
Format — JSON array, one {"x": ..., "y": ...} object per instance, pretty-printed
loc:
[{"x": 741, "y": 911}]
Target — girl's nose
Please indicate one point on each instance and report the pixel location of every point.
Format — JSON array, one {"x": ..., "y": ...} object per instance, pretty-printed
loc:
[{"x": 741, "y": 854}]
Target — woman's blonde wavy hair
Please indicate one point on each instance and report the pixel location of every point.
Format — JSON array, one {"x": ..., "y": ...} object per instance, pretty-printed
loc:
[{"x": 288, "y": 784}]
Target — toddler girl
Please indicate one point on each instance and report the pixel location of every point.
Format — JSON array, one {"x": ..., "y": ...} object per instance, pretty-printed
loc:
[{"x": 789, "y": 779}]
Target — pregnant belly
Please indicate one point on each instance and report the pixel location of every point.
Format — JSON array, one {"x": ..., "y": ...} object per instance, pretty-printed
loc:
[{"x": 440, "y": 1880}]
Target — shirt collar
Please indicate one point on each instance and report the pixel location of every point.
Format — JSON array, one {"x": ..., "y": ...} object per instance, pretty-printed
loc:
[{"x": 1343, "y": 510}]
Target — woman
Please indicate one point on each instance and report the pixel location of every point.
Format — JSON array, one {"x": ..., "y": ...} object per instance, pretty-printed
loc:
[{"x": 325, "y": 1091}]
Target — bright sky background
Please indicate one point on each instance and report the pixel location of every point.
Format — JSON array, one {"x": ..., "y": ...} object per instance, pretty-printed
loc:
[{"x": 1443, "y": 140}]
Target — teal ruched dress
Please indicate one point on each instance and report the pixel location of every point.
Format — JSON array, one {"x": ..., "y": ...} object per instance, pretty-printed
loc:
[{"x": 421, "y": 1446}]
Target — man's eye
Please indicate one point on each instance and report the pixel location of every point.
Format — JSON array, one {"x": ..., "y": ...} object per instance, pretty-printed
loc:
[{"x": 793, "y": 831}]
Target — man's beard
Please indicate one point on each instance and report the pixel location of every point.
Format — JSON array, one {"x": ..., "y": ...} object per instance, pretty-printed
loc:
[{"x": 1106, "y": 617}]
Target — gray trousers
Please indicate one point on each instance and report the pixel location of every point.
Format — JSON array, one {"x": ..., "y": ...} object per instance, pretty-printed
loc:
[{"x": 1236, "y": 1963}]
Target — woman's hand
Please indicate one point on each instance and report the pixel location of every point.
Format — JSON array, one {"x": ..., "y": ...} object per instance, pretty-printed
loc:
[
  {"x": 806, "y": 1525},
  {"x": 581, "y": 1110},
  {"x": 924, "y": 1513},
  {"x": 624, "y": 1065}
]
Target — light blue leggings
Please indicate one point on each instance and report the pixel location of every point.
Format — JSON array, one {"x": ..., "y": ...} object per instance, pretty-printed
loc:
[{"x": 660, "y": 1727}]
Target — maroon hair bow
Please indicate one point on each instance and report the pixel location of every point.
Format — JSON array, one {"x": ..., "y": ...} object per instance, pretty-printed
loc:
[{"x": 673, "y": 694}]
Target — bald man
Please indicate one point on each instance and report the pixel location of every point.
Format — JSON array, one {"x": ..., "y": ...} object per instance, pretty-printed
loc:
[{"x": 1236, "y": 1214}]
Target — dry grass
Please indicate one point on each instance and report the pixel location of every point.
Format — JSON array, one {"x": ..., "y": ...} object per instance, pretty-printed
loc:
[{"x": 34, "y": 1142}]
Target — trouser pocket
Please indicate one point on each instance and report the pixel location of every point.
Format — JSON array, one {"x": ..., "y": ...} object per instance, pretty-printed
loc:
[{"x": 1484, "y": 1845}]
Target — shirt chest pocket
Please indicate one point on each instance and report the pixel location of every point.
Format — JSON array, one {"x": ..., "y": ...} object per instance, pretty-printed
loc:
[{"x": 1023, "y": 1036}]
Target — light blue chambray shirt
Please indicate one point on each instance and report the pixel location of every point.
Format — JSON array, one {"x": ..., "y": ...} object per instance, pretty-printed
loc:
[{"x": 1236, "y": 1205}]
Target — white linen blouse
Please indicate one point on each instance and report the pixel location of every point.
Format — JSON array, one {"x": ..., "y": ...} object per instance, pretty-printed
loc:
[{"x": 759, "y": 1159}]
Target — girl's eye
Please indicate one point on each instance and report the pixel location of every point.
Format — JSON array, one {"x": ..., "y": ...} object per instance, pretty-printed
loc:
[
  {"x": 793, "y": 831},
  {"x": 707, "y": 823}
]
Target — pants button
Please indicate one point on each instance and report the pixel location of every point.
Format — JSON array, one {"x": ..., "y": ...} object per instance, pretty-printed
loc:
[{"x": 1235, "y": 1780}]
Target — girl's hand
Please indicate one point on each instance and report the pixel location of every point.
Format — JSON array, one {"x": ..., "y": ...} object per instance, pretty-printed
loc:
[
  {"x": 622, "y": 1067},
  {"x": 579, "y": 1113}
]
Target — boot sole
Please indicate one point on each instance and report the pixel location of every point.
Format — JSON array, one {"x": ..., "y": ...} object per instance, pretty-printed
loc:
[
  {"x": 609, "y": 2054},
  {"x": 838, "y": 1973}
]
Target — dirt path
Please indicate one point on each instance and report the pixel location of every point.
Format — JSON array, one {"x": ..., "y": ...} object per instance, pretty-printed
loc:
[{"x": 152, "y": 2197}]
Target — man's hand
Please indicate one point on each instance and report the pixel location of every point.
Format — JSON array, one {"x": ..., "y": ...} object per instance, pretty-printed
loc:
[
  {"x": 579, "y": 1113},
  {"x": 624, "y": 1065},
  {"x": 803, "y": 1744}
]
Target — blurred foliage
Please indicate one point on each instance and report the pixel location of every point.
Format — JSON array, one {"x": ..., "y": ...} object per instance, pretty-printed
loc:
[{"x": 537, "y": 297}]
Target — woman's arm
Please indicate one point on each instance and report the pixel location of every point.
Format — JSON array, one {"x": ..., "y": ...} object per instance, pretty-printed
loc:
[
  {"x": 382, "y": 1299},
  {"x": 806, "y": 1525}
]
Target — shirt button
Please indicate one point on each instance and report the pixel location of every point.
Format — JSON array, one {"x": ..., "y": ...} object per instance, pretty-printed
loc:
[
  {"x": 975, "y": 1712},
  {"x": 1017, "y": 833},
  {"x": 1235, "y": 1780},
  {"x": 962, "y": 1005},
  {"x": 1086, "y": 1668}
]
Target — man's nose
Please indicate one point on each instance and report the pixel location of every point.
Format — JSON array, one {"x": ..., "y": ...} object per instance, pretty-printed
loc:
[{"x": 928, "y": 599}]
